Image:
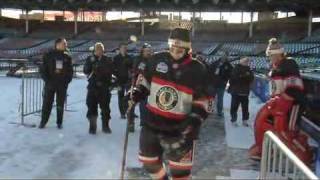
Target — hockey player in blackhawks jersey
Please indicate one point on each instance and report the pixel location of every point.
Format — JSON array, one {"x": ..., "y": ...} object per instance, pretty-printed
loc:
[
  {"x": 281, "y": 111},
  {"x": 139, "y": 66},
  {"x": 177, "y": 105}
]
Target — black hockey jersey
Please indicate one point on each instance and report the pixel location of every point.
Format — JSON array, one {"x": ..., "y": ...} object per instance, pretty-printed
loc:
[{"x": 178, "y": 89}]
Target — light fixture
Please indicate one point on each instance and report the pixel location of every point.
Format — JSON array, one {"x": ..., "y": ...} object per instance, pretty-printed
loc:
[{"x": 215, "y": 2}]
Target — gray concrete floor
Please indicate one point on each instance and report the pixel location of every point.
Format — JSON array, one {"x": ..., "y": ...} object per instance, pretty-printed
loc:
[{"x": 213, "y": 157}]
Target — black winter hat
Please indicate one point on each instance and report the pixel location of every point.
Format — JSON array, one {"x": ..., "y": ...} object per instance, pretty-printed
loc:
[{"x": 180, "y": 37}]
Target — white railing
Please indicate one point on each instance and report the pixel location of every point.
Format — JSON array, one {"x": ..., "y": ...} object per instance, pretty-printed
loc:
[{"x": 279, "y": 162}]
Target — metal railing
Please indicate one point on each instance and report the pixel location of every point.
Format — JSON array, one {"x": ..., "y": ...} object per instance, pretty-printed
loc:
[
  {"x": 8, "y": 64},
  {"x": 279, "y": 162},
  {"x": 31, "y": 92}
]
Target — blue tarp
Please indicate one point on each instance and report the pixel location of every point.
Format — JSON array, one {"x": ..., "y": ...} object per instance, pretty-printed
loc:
[{"x": 260, "y": 87}]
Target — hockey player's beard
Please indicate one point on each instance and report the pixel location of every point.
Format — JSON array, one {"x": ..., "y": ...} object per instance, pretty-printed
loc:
[{"x": 177, "y": 53}]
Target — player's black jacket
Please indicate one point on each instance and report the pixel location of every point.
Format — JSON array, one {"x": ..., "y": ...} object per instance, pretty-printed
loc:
[
  {"x": 99, "y": 72},
  {"x": 122, "y": 66},
  {"x": 177, "y": 91},
  {"x": 285, "y": 78},
  {"x": 56, "y": 68},
  {"x": 240, "y": 80}
]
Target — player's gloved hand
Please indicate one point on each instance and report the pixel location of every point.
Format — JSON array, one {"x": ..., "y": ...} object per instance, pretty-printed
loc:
[
  {"x": 138, "y": 93},
  {"x": 193, "y": 128}
]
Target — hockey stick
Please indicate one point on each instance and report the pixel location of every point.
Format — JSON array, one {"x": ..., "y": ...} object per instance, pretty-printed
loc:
[
  {"x": 124, "y": 155},
  {"x": 193, "y": 154},
  {"x": 193, "y": 149},
  {"x": 126, "y": 138}
]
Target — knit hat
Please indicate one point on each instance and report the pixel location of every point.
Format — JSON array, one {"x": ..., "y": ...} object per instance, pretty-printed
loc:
[
  {"x": 180, "y": 37},
  {"x": 274, "y": 47}
]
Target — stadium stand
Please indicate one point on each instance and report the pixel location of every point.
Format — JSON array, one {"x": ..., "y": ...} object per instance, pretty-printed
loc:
[
  {"x": 19, "y": 43},
  {"x": 211, "y": 38},
  {"x": 237, "y": 48},
  {"x": 303, "y": 48}
]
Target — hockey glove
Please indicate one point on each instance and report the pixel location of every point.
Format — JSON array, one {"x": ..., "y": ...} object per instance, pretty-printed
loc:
[
  {"x": 139, "y": 93},
  {"x": 193, "y": 129}
]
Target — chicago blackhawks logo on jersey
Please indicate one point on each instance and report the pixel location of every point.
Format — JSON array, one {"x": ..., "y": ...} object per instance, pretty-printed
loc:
[{"x": 166, "y": 98}]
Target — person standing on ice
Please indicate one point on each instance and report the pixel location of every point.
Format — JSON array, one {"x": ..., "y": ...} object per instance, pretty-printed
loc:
[
  {"x": 99, "y": 69},
  {"x": 177, "y": 104},
  {"x": 56, "y": 71},
  {"x": 220, "y": 72},
  {"x": 122, "y": 66},
  {"x": 240, "y": 82},
  {"x": 139, "y": 66},
  {"x": 281, "y": 111}
]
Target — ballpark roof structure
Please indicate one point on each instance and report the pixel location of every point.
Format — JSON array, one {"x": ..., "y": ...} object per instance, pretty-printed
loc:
[{"x": 166, "y": 5}]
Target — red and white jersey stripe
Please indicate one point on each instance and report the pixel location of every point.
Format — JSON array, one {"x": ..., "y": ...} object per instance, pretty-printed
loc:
[{"x": 279, "y": 84}]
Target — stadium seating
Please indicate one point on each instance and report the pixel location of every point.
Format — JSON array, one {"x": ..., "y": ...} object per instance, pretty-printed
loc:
[
  {"x": 211, "y": 49},
  {"x": 212, "y": 39},
  {"x": 19, "y": 43},
  {"x": 237, "y": 49},
  {"x": 302, "y": 48}
]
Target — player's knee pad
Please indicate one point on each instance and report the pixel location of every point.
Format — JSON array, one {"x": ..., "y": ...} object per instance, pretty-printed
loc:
[
  {"x": 181, "y": 169},
  {"x": 263, "y": 123},
  {"x": 153, "y": 166}
]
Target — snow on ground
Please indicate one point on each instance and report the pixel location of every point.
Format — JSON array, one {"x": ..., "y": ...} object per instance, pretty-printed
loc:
[
  {"x": 67, "y": 153},
  {"x": 240, "y": 137}
]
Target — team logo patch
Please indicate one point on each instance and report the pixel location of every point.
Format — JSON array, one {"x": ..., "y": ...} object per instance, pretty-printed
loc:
[
  {"x": 162, "y": 67},
  {"x": 167, "y": 98}
]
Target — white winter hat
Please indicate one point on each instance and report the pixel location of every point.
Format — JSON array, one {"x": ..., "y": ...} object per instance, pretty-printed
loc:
[{"x": 274, "y": 47}]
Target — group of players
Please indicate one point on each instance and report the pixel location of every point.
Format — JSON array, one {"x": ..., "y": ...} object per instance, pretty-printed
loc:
[{"x": 172, "y": 89}]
